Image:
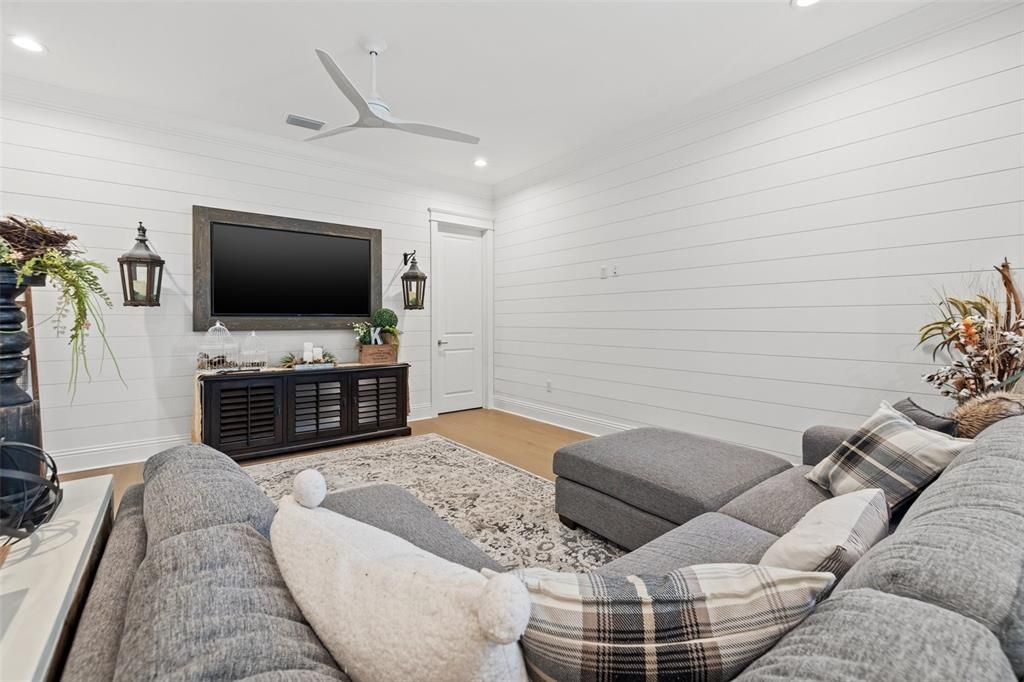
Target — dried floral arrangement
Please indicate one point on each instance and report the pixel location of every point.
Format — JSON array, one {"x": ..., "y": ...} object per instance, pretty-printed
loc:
[
  {"x": 32, "y": 249},
  {"x": 984, "y": 339},
  {"x": 290, "y": 360}
]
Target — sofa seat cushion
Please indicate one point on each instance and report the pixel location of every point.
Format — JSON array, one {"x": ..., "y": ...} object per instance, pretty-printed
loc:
[
  {"x": 867, "y": 635},
  {"x": 710, "y": 538},
  {"x": 397, "y": 511},
  {"x": 959, "y": 547},
  {"x": 775, "y": 505},
  {"x": 210, "y": 604},
  {"x": 192, "y": 487},
  {"x": 670, "y": 474}
]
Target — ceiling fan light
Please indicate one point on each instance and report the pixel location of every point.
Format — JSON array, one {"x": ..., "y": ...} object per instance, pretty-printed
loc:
[
  {"x": 28, "y": 43},
  {"x": 803, "y": 3},
  {"x": 480, "y": 162}
]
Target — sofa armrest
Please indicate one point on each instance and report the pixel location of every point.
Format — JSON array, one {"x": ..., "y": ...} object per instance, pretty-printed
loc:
[{"x": 820, "y": 441}]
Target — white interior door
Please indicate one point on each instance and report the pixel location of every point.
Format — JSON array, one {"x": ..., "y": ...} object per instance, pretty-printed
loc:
[{"x": 459, "y": 297}]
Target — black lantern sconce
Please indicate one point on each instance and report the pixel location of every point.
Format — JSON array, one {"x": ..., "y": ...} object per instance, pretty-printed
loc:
[
  {"x": 142, "y": 273},
  {"x": 414, "y": 283}
]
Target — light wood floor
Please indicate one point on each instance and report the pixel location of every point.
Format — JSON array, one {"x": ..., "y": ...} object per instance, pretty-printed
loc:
[{"x": 520, "y": 441}]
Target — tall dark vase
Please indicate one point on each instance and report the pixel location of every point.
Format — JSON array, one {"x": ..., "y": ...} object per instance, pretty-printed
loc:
[{"x": 19, "y": 412}]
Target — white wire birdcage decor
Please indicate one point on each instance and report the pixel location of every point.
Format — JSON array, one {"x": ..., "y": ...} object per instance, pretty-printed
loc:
[
  {"x": 217, "y": 350},
  {"x": 254, "y": 353}
]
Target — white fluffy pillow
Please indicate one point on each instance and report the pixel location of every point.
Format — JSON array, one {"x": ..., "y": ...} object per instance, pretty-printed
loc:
[
  {"x": 833, "y": 535},
  {"x": 387, "y": 610}
]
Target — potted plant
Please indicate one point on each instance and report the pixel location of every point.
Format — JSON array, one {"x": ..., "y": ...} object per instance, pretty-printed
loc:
[
  {"x": 31, "y": 253},
  {"x": 378, "y": 339},
  {"x": 984, "y": 340}
]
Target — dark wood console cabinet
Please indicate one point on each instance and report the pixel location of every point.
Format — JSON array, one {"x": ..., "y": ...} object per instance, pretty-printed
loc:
[{"x": 272, "y": 412}]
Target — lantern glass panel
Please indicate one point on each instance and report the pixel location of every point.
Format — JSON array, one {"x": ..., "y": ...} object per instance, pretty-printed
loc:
[{"x": 139, "y": 279}]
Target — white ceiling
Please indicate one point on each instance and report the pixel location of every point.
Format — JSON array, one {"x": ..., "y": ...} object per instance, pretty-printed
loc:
[{"x": 534, "y": 80}]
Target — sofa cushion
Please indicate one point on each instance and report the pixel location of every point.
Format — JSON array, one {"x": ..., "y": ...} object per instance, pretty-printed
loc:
[
  {"x": 390, "y": 611},
  {"x": 93, "y": 653},
  {"x": 210, "y": 604},
  {"x": 702, "y": 622},
  {"x": 867, "y": 635},
  {"x": 710, "y": 538},
  {"x": 670, "y": 474},
  {"x": 191, "y": 487},
  {"x": 926, "y": 418},
  {"x": 834, "y": 535},
  {"x": 959, "y": 546},
  {"x": 891, "y": 452},
  {"x": 775, "y": 505},
  {"x": 397, "y": 511}
]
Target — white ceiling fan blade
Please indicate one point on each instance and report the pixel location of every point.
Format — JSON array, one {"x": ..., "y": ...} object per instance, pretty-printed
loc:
[
  {"x": 432, "y": 131},
  {"x": 332, "y": 132},
  {"x": 343, "y": 83}
]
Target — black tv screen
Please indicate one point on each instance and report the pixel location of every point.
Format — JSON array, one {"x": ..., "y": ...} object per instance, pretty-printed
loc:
[{"x": 256, "y": 271}]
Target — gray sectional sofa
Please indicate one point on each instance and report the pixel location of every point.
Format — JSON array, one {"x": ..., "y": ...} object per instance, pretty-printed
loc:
[{"x": 187, "y": 588}]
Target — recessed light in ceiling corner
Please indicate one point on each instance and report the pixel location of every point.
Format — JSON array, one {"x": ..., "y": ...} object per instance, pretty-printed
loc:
[
  {"x": 803, "y": 3},
  {"x": 481, "y": 162},
  {"x": 28, "y": 43}
]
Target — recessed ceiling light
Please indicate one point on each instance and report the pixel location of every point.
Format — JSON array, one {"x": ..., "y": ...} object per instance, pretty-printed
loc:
[
  {"x": 480, "y": 163},
  {"x": 28, "y": 43},
  {"x": 803, "y": 3}
]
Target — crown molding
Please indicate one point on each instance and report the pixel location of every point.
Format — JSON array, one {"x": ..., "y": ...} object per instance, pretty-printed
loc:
[
  {"x": 130, "y": 114},
  {"x": 872, "y": 43}
]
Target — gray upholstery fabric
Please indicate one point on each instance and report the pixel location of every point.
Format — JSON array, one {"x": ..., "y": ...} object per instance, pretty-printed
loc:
[
  {"x": 94, "y": 650},
  {"x": 926, "y": 418},
  {"x": 670, "y": 474},
  {"x": 777, "y": 504},
  {"x": 210, "y": 604},
  {"x": 867, "y": 635},
  {"x": 710, "y": 538},
  {"x": 1002, "y": 439},
  {"x": 610, "y": 518},
  {"x": 820, "y": 441},
  {"x": 960, "y": 545},
  {"x": 194, "y": 486},
  {"x": 397, "y": 511}
]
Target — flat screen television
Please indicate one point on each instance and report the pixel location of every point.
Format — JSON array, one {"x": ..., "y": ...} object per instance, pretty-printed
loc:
[{"x": 267, "y": 272}]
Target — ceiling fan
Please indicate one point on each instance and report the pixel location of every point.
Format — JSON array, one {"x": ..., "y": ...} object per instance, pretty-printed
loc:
[{"x": 374, "y": 111}]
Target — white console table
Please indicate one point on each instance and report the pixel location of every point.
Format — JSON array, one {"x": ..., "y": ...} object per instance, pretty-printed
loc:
[{"x": 44, "y": 580}]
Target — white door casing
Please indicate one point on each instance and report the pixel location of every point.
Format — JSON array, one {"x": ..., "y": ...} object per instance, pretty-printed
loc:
[{"x": 460, "y": 316}]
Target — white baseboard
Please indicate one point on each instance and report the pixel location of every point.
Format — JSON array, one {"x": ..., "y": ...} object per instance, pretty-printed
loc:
[
  {"x": 113, "y": 454},
  {"x": 424, "y": 411},
  {"x": 594, "y": 426}
]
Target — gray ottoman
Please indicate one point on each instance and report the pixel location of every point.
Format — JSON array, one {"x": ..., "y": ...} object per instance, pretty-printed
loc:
[{"x": 633, "y": 486}]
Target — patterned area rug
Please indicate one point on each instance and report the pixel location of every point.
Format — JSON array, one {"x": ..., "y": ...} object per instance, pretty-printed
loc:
[{"x": 506, "y": 511}]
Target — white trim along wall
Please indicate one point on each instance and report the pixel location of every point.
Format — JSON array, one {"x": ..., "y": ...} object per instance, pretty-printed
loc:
[{"x": 764, "y": 265}]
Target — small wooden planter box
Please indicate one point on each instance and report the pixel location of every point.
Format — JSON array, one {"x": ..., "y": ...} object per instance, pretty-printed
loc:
[{"x": 385, "y": 354}]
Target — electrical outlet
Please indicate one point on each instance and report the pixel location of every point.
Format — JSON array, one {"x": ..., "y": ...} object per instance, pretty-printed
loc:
[
  {"x": 547, "y": 385},
  {"x": 604, "y": 272},
  {"x": 615, "y": 271}
]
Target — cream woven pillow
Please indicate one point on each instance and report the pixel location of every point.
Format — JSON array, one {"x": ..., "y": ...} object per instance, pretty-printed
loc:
[{"x": 833, "y": 535}]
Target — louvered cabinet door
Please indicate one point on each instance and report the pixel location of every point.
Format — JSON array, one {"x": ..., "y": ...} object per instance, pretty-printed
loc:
[
  {"x": 317, "y": 407},
  {"x": 378, "y": 400},
  {"x": 244, "y": 415}
]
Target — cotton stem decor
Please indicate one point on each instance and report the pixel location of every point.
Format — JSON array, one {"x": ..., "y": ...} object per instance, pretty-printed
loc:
[{"x": 984, "y": 339}]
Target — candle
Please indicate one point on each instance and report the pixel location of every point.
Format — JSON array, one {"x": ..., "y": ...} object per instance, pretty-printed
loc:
[
  {"x": 307, "y": 352},
  {"x": 318, "y": 354}
]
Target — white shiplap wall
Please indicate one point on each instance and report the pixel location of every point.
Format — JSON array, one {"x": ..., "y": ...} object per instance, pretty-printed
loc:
[
  {"x": 95, "y": 175},
  {"x": 776, "y": 254}
]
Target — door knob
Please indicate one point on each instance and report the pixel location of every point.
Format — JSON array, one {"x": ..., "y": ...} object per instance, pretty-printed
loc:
[{"x": 441, "y": 343}]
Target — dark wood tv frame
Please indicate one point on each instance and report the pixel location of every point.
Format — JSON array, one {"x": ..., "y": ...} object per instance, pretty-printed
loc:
[{"x": 202, "y": 305}]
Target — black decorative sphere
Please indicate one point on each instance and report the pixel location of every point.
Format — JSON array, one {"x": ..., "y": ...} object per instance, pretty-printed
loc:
[{"x": 30, "y": 491}]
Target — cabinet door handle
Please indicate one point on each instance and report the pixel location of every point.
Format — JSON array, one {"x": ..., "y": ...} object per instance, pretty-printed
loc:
[{"x": 441, "y": 343}]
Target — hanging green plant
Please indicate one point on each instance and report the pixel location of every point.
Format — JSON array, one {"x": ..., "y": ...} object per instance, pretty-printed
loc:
[{"x": 32, "y": 249}]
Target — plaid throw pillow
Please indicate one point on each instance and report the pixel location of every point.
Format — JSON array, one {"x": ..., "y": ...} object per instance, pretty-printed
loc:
[
  {"x": 702, "y": 623},
  {"x": 833, "y": 535},
  {"x": 888, "y": 451}
]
